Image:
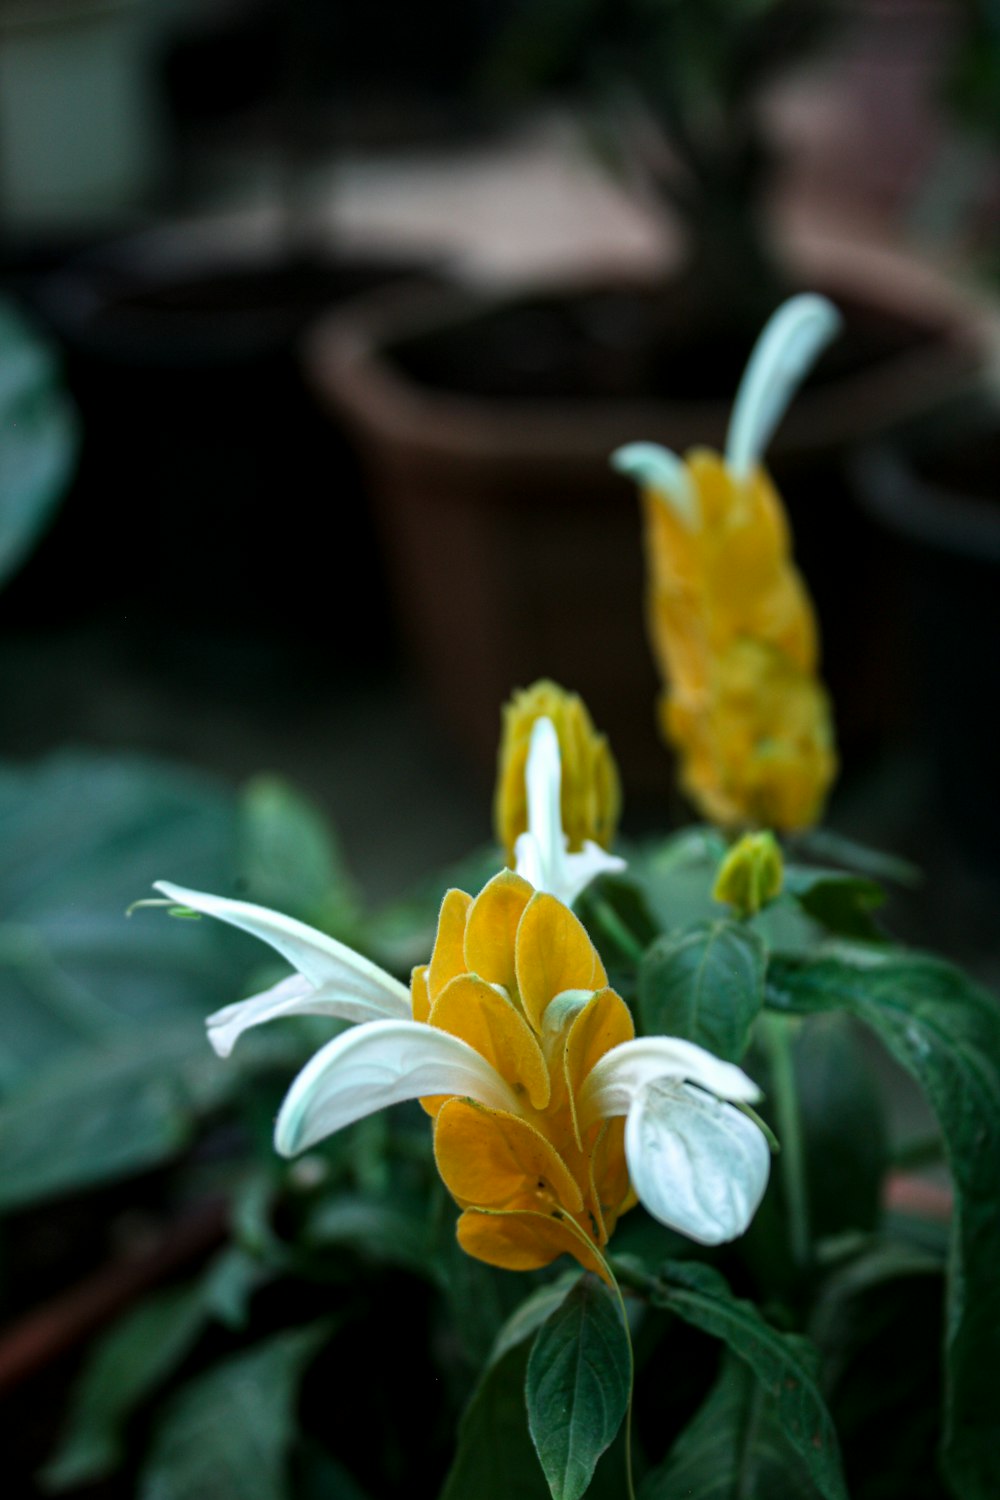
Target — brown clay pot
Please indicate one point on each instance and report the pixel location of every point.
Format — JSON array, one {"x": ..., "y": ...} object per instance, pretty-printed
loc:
[{"x": 516, "y": 550}]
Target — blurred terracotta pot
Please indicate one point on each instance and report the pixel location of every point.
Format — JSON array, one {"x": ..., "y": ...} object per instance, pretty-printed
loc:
[{"x": 516, "y": 551}]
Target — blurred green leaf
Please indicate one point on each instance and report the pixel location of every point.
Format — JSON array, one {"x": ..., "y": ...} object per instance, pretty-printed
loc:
[
  {"x": 785, "y": 1364},
  {"x": 229, "y": 1431},
  {"x": 81, "y": 837},
  {"x": 578, "y": 1385},
  {"x": 945, "y": 1031},
  {"x": 823, "y": 843},
  {"x": 38, "y": 439},
  {"x": 706, "y": 985},
  {"x": 290, "y": 859},
  {"x": 495, "y": 1458},
  {"x": 841, "y": 903},
  {"x": 124, "y": 1368},
  {"x": 734, "y": 1448},
  {"x": 677, "y": 876},
  {"x": 843, "y": 1125}
]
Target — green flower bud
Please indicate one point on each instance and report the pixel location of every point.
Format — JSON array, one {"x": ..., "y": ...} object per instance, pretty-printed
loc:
[{"x": 751, "y": 874}]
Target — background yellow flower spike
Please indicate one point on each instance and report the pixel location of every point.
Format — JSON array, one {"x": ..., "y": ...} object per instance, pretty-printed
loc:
[
  {"x": 590, "y": 794},
  {"x": 731, "y": 622}
]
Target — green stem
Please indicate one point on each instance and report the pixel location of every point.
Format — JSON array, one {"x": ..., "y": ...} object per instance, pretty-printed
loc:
[
  {"x": 629, "y": 1480},
  {"x": 777, "y": 1036},
  {"x": 617, "y": 930}
]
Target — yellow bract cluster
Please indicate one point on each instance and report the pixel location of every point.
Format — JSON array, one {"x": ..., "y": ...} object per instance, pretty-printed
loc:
[
  {"x": 539, "y": 1183},
  {"x": 590, "y": 793},
  {"x": 735, "y": 636}
]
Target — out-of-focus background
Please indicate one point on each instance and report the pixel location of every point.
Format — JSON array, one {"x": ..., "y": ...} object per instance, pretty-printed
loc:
[{"x": 318, "y": 324}]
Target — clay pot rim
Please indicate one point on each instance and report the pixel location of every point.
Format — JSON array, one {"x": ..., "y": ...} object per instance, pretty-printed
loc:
[{"x": 344, "y": 361}]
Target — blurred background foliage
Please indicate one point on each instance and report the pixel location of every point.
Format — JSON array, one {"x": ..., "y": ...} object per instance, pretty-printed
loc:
[{"x": 197, "y": 589}]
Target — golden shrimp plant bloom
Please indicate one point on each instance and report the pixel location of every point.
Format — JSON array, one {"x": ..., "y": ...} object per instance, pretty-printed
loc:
[
  {"x": 590, "y": 791},
  {"x": 732, "y": 625},
  {"x": 550, "y": 1117}
]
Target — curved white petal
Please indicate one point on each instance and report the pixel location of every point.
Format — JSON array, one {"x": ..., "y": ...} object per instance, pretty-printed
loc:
[
  {"x": 791, "y": 341},
  {"x": 334, "y": 970},
  {"x": 658, "y": 469},
  {"x": 378, "y": 1064},
  {"x": 616, "y": 1080},
  {"x": 293, "y": 996},
  {"x": 698, "y": 1165}
]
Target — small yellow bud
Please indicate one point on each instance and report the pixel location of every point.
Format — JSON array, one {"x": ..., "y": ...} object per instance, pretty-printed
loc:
[
  {"x": 590, "y": 793},
  {"x": 751, "y": 874}
]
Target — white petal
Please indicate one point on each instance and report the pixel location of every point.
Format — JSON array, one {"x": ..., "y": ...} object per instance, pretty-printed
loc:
[
  {"x": 617, "y": 1079},
  {"x": 660, "y": 470},
  {"x": 698, "y": 1165},
  {"x": 378, "y": 1064},
  {"x": 791, "y": 341},
  {"x": 543, "y": 787},
  {"x": 581, "y": 868},
  {"x": 330, "y": 967},
  {"x": 294, "y": 996}
]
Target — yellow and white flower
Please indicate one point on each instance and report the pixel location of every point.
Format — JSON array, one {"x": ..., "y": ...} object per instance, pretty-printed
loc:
[
  {"x": 550, "y": 1118},
  {"x": 731, "y": 622}
]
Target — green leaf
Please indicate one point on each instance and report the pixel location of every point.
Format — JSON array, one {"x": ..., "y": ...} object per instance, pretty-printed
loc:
[
  {"x": 841, "y": 903},
  {"x": 525, "y": 1320},
  {"x": 495, "y": 1458},
  {"x": 81, "y": 837},
  {"x": 614, "y": 911},
  {"x": 843, "y": 1125},
  {"x": 677, "y": 877},
  {"x": 945, "y": 1031},
  {"x": 823, "y": 843},
  {"x": 125, "y": 1367},
  {"x": 578, "y": 1386},
  {"x": 706, "y": 985},
  {"x": 290, "y": 858},
  {"x": 784, "y": 1364},
  {"x": 374, "y": 1229},
  {"x": 38, "y": 439},
  {"x": 734, "y": 1448},
  {"x": 229, "y": 1431}
]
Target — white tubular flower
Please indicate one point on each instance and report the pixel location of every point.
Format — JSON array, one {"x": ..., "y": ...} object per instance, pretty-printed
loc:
[
  {"x": 542, "y": 852},
  {"x": 332, "y": 979},
  {"x": 698, "y": 1164}
]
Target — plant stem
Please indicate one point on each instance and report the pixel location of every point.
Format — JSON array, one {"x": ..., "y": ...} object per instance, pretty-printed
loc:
[
  {"x": 629, "y": 1481},
  {"x": 617, "y": 930},
  {"x": 777, "y": 1036}
]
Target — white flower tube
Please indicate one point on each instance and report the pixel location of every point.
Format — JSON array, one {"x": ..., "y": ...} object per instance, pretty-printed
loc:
[
  {"x": 378, "y": 1064},
  {"x": 542, "y": 854},
  {"x": 332, "y": 979},
  {"x": 698, "y": 1164}
]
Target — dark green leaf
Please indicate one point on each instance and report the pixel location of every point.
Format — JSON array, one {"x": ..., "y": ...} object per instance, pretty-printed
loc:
[
  {"x": 578, "y": 1385},
  {"x": 229, "y": 1283},
  {"x": 229, "y": 1431},
  {"x": 525, "y": 1320},
  {"x": 706, "y": 985},
  {"x": 125, "y": 1367},
  {"x": 945, "y": 1032},
  {"x": 614, "y": 911},
  {"x": 843, "y": 1126},
  {"x": 735, "y": 1448},
  {"x": 677, "y": 877},
  {"x": 38, "y": 439},
  {"x": 783, "y": 1363},
  {"x": 374, "y": 1229},
  {"x": 841, "y": 903},
  {"x": 495, "y": 1459}
]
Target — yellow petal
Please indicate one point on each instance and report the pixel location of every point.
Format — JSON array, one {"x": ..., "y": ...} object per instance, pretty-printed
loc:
[
  {"x": 604, "y": 1022},
  {"x": 524, "y": 1240},
  {"x": 419, "y": 994},
  {"x": 470, "y": 1008},
  {"x": 491, "y": 928},
  {"x": 448, "y": 958},
  {"x": 491, "y": 1159},
  {"x": 554, "y": 954}
]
